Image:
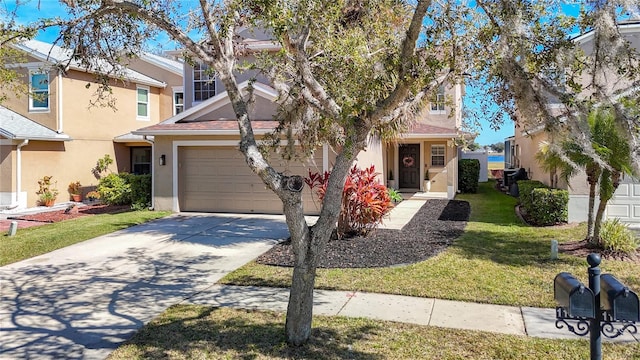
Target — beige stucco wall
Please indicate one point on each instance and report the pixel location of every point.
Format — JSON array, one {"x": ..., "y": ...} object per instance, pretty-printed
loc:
[
  {"x": 7, "y": 163},
  {"x": 372, "y": 155},
  {"x": 525, "y": 151},
  {"x": 172, "y": 80},
  {"x": 91, "y": 128}
]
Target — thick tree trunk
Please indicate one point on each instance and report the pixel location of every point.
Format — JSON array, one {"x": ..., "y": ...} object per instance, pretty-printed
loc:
[{"x": 309, "y": 245}]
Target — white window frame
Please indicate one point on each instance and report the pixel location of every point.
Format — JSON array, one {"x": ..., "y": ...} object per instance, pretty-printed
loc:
[
  {"x": 32, "y": 107},
  {"x": 178, "y": 90},
  {"x": 438, "y": 103},
  {"x": 438, "y": 151},
  {"x": 147, "y": 103},
  {"x": 203, "y": 78}
]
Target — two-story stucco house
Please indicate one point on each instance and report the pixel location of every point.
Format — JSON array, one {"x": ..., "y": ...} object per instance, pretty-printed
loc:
[
  {"x": 55, "y": 131},
  {"x": 200, "y": 167},
  {"x": 625, "y": 205}
]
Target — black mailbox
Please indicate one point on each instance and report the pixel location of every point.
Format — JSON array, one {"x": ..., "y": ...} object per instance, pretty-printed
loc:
[
  {"x": 575, "y": 298},
  {"x": 618, "y": 300}
]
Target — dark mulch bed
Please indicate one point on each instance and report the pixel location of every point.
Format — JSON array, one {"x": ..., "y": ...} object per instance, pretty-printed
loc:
[
  {"x": 434, "y": 227},
  {"x": 582, "y": 248},
  {"x": 72, "y": 213}
]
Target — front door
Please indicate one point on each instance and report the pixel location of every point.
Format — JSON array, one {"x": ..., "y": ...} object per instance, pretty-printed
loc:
[{"x": 409, "y": 166}]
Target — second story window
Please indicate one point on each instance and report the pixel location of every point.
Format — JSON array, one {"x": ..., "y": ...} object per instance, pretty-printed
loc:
[
  {"x": 143, "y": 103},
  {"x": 39, "y": 85},
  {"x": 437, "y": 155},
  {"x": 178, "y": 102},
  {"x": 204, "y": 84},
  {"x": 437, "y": 103}
]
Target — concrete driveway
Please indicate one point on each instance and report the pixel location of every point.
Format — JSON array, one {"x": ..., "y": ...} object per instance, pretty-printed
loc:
[{"x": 82, "y": 301}]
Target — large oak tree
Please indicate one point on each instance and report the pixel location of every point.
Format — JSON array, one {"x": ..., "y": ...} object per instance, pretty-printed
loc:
[{"x": 347, "y": 71}]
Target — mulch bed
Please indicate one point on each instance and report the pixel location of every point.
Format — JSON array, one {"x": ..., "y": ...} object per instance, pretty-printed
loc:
[
  {"x": 72, "y": 213},
  {"x": 582, "y": 248},
  {"x": 434, "y": 227}
]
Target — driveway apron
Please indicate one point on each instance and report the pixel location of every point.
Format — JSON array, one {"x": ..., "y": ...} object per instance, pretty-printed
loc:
[{"x": 82, "y": 301}]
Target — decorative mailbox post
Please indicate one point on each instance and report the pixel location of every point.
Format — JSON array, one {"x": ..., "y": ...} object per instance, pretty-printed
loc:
[{"x": 594, "y": 309}]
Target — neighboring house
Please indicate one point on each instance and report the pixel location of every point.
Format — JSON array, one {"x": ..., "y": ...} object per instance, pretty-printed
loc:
[
  {"x": 57, "y": 132},
  {"x": 202, "y": 169},
  {"x": 625, "y": 203}
]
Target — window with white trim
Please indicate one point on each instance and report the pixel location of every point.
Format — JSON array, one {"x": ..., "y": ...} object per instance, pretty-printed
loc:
[
  {"x": 437, "y": 155},
  {"x": 178, "y": 102},
  {"x": 204, "y": 84},
  {"x": 142, "y": 96},
  {"x": 437, "y": 103},
  {"x": 39, "y": 96}
]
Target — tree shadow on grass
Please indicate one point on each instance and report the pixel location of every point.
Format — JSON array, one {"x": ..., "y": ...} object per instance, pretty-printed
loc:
[
  {"x": 504, "y": 249},
  {"x": 244, "y": 334}
]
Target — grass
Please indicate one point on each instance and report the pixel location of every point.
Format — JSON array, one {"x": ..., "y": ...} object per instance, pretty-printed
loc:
[
  {"x": 202, "y": 332},
  {"x": 38, "y": 240},
  {"x": 496, "y": 165},
  {"x": 498, "y": 260}
]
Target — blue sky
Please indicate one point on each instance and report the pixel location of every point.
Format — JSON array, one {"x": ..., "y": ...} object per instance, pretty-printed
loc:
[{"x": 32, "y": 10}]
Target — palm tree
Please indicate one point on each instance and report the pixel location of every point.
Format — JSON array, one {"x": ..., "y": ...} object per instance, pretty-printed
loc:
[
  {"x": 604, "y": 157},
  {"x": 616, "y": 155}
]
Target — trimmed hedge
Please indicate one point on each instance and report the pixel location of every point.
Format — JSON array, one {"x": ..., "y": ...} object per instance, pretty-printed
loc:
[
  {"x": 468, "y": 175},
  {"x": 125, "y": 188},
  {"x": 544, "y": 206}
]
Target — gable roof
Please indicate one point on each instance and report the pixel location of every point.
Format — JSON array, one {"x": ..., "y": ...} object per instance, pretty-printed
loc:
[
  {"x": 170, "y": 65},
  {"x": 17, "y": 127},
  {"x": 625, "y": 27},
  {"x": 57, "y": 55},
  {"x": 422, "y": 130},
  {"x": 184, "y": 123}
]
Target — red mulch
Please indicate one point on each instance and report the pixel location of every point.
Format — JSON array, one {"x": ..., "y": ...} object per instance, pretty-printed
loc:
[{"x": 47, "y": 217}]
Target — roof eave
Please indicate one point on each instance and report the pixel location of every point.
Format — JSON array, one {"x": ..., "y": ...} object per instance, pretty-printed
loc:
[{"x": 196, "y": 132}]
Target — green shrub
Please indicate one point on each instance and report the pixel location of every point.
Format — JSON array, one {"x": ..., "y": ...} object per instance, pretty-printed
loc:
[
  {"x": 525, "y": 189},
  {"x": 114, "y": 189},
  {"x": 549, "y": 206},
  {"x": 617, "y": 237},
  {"x": 125, "y": 188},
  {"x": 542, "y": 205},
  {"x": 140, "y": 191},
  {"x": 468, "y": 175}
]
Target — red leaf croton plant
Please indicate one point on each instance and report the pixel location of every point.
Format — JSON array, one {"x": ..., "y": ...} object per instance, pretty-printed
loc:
[{"x": 365, "y": 200}]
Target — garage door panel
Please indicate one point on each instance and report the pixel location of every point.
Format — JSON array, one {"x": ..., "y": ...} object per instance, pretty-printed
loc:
[
  {"x": 625, "y": 204},
  {"x": 217, "y": 179}
]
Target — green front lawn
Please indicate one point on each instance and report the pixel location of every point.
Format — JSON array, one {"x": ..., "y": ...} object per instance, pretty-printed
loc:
[
  {"x": 202, "y": 332},
  {"x": 498, "y": 260},
  {"x": 34, "y": 241}
]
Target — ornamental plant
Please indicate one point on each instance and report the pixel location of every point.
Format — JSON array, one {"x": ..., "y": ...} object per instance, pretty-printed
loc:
[
  {"x": 47, "y": 189},
  {"x": 364, "y": 200}
]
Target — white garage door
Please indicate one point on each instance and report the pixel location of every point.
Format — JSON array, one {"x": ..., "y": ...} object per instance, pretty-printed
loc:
[
  {"x": 217, "y": 179},
  {"x": 625, "y": 203}
]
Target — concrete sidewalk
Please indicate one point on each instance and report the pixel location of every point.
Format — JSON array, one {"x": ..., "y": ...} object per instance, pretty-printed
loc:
[{"x": 525, "y": 321}]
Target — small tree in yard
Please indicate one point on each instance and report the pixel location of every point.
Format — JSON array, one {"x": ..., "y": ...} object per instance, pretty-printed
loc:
[{"x": 347, "y": 71}]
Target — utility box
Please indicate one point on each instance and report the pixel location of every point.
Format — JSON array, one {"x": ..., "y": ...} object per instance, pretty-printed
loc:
[
  {"x": 616, "y": 298},
  {"x": 573, "y": 297}
]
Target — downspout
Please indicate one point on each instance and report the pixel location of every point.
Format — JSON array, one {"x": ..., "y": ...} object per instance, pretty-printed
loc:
[
  {"x": 18, "y": 173},
  {"x": 60, "y": 113},
  {"x": 153, "y": 172}
]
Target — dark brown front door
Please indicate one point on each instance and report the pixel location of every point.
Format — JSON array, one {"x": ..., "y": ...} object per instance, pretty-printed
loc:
[{"x": 409, "y": 166}]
